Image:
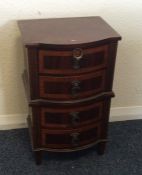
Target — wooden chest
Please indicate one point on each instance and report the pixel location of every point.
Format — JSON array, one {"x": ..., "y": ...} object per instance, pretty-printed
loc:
[{"x": 68, "y": 79}]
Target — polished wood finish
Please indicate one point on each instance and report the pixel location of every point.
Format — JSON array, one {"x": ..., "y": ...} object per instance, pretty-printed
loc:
[
  {"x": 68, "y": 81},
  {"x": 51, "y": 62},
  {"x": 66, "y": 31},
  {"x": 71, "y": 117},
  {"x": 66, "y": 88},
  {"x": 62, "y": 139}
]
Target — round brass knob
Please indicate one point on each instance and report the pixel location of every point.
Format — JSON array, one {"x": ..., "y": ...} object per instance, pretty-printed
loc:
[
  {"x": 75, "y": 90},
  {"x": 75, "y": 139},
  {"x": 78, "y": 53},
  {"x": 75, "y": 118}
]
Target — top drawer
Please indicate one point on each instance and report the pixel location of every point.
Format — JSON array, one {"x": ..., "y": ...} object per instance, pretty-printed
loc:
[{"x": 72, "y": 62}]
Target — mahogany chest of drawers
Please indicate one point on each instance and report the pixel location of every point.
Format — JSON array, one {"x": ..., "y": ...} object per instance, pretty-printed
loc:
[{"x": 68, "y": 79}]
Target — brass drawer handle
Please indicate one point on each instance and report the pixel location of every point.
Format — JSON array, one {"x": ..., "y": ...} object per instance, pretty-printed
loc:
[
  {"x": 75, "y": 139},
  {"x": 77, "y": 53},
  {"x": 75, "y": 64},
  {"x": 75, "y": 88},
  {"x": 75, "y": 118},
  {"x": 77, "y": 56}
]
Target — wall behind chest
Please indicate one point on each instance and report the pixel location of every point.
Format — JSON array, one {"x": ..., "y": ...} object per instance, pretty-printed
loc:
[{"x": 124, "y": 16}]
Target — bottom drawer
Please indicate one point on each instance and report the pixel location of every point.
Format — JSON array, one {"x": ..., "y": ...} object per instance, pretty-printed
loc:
[{"x": 60, "y": 139}]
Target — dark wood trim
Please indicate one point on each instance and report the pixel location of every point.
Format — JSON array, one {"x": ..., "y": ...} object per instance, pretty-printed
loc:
[
  {"x": 33, "y": 71},
  {"x": 106, "y": 112},
  {"x": 36, "y": 128},
  {"x": 68, "y": 131},
  {"x": 30, "y": 131},
  {"x": 44, "y": 102},
  {"x": 111, "y": 64},
  {"x": 38, "y": 156},
  {"x": 101, "y": 148},
  {"x": 70, "y": 47},
  {"x": 72, "y": 149}
]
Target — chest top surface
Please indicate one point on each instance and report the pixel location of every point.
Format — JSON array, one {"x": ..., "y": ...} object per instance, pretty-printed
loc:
[{"x": 66, "y": 31}]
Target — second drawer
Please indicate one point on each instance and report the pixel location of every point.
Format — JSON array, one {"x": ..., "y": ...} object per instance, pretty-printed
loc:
[{"x": 72, "y": 87}]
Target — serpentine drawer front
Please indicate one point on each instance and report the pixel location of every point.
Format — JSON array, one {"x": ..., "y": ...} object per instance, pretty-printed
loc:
[
  {"x": 68, "y": 79},
  {"x": 71, "y": 117},
  {"x": 76, "y": 61},
  {"x": 71, "y": 138},
  {"x": 66, "y": 88}
]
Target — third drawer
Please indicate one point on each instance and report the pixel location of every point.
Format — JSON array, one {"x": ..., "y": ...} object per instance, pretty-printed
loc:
[{"x": 70, "y": 117}]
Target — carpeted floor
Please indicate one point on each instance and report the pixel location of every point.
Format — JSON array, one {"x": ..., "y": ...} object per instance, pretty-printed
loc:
[{"x": 123, "y": 155}]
